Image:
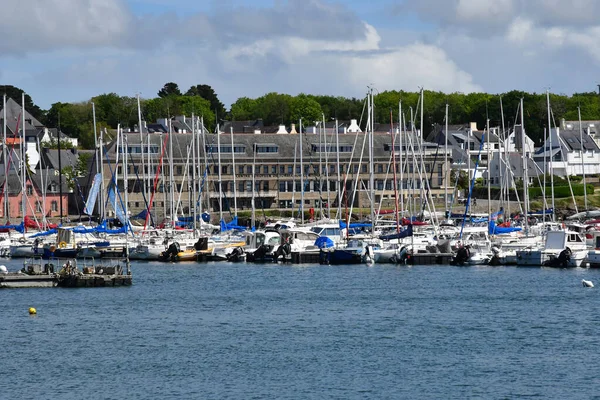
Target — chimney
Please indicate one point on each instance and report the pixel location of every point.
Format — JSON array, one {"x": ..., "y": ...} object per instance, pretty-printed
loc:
[
  {"x": 473, "y": 126},
  {"x": 282, "y": 130},
  {"x": 354, "y": 128},
  {"x": 293, "y": 130}
]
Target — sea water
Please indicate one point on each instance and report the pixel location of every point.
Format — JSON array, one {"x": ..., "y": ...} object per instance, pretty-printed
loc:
[{"x": 264, "y": 331}]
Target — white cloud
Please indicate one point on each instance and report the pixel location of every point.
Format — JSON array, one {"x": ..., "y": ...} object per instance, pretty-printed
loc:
[{"x": 43, "y": 25}]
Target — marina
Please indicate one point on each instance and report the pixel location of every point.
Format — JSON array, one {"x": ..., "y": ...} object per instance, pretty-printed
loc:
[{"x": 229, "y": 329}]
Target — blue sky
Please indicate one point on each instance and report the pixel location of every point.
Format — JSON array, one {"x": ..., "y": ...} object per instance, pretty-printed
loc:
[{"x": 71, "y": 50}]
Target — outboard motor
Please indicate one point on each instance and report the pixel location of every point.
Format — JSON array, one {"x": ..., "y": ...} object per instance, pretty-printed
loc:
[
  {"x": 171, "y": 253},
  {"x": 462, "y": 256},
  {"x": 283, "y": 250},
  {"x": 201, "y": 244},
  {"x": 235, "y": 254}
]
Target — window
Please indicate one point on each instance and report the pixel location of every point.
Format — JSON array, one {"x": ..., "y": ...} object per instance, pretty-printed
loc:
[
  {"x": 265, "y": 169},
  {"x": 248, "y": 169},
  {"x": 29, "y": 190},
  {"x": 267, "y": 148},
  {"x": 179, "y": 170},
  {"x": 38, "y": 206},
  {"x": 379, "y": 168},
  {"x": 266, "y": 186},
  {"x": 290, "y": 169},
  {"x": 241, "y": 187},
  {"x": 238, "y": 148},
  {"x": 54, "y": 205},
  {"x": 248, "y": 186},
  {"x": 241, "y": 169},
  {"x": 274, "y": 169},
  {"x": 224, "y": 169},
  {"x": 282, "y": 186},
  {"x": 282, "y": 169}
]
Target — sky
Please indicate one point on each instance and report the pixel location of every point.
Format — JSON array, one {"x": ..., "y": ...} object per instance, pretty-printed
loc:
[{"x": 71, "y": 50}]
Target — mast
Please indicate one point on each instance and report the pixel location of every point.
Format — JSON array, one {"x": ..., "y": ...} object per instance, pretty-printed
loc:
[
  {"x": 301, "y": 177},
  {"x": 446, "y": 162},
  {"x": 489, "y": 189},
  {"x": 101, "y": 166},
  {"x": 339, "y": 178},
  {"x": 171, "y": 175},
  {"x": 394, "y": 167},
  {"x": 253, "y": 185},
  {"x": 551, "y": 156},
  {"x": 5, "y": 153},
  {"x": 326, "y": 169},
  {"x": 371, "y": 162},
  {"x": 60, "y": 194},
  {"x": 219, "y": 173},
  {"x": 144, "y": 183},
  {"x": 525, "y": 172},
  {"x": 233, "y": 172},
  {"x": 423, "y": 190},
  {"x": 582, "y": 161},
  {"x": 126, "y": 179},
  {"x": 23, "y": 175},
  {"x": 401, "y": 130},
  {"x": 193, "y": 194},
  {"x": 96, "y": 145}
]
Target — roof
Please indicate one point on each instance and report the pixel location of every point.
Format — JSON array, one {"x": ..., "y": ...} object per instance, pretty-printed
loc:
[
  {"x": 515, "y": 161},
  {"x": 49, "y": 158},
  {"x": 13, "y": 116},
  {"x": 287, "y": 144}
]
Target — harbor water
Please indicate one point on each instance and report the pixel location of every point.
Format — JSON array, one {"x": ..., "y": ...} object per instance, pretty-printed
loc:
[{"x": 246, "y": 331}]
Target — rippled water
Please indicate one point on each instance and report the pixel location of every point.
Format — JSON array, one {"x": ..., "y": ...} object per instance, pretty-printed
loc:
[{"x": 223, "y": 330}]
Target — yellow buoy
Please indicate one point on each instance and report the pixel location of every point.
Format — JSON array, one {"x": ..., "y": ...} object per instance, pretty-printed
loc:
[{"x": 32, "y": 311}]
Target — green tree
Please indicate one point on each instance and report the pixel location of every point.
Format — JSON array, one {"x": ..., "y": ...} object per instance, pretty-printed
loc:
[
  {"x": 302, "y": 106},
  {"x": 75, "y": 120},
  {"x": 169, "y": 89},
  {"x": 244, "y": 109},
  {"x": 208, "y": 93},
  {"x": 274, "y": 108}
]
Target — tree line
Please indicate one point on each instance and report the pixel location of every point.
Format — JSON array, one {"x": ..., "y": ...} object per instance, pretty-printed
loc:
[{"x": 75, "y": 119}]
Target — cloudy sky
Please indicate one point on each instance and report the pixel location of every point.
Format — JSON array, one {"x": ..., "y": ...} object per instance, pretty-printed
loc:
[{"x": 71, "y": 50}]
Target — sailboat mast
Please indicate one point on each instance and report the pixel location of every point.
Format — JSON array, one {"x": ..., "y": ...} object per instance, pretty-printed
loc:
[
  {"x": 401, "y": 130},
  {"x": 301, "y": 177},
  {"x": 101, "y": 166},
  {"x": 525, "y": 172},
  {"x": 371, "y": 163},
  {"x": 582, "y": 161},
  {"x": 446, "y": 162},
  {"x": 394, "y": 167},
  {"x": 551, "y": 156},
  {"x": 144, "y": 182},
  {"x": 337, "y": 167},
  {"x": 489, "y": 188},
  {"x": 233, "y": 172},
  {"x": 60, "y": 186},
  {"x": 219, "y": 173},
  {"x": 23, "y": 175},
  {"x": 171, "y": 175},
  {"x": 5, "y": 153},
  {"x": 194, "y": 180},
  {"x": 126, "y": 179},
  {"x": 253, "y": 185}
]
